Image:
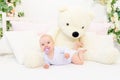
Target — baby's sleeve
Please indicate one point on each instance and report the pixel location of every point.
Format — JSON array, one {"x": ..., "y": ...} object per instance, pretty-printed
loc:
[
  {"x": 69, "y": 51},
  {"x": 46, "y": 60}
]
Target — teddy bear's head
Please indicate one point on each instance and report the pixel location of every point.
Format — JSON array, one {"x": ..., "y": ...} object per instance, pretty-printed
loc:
[{"x": 74, "y": 22}]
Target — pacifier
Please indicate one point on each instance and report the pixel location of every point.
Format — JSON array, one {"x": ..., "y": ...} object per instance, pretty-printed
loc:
[{"x": 46, "y": 50}]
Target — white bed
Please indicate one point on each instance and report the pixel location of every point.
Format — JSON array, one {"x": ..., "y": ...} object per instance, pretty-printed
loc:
[
  {"x": 13, "y": 47},
  {"x": 11, "y": 70}
]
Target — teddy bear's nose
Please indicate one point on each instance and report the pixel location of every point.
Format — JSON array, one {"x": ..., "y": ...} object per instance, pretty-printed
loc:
[{"x": 75, "y": 34}]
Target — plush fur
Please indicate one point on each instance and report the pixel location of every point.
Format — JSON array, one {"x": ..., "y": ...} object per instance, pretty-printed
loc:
[{"x": 73, "y": 25}]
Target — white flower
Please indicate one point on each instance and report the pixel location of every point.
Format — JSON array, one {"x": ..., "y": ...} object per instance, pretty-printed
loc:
[
  {"x": 117, "y": 23},
  {"x": 115, "y": 16},
  {"x": 116, "y": 20},
  {"x": 109, "y": 1},
  {"x": 117, "y": 4},
  {"x": 109, "y": 9},
  {"x": 112, "y": 26},
  {"x": 113, "y": 36}
]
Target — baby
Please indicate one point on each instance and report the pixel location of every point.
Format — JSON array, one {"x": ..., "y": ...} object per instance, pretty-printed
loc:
[{"x": 54, "y": 55}]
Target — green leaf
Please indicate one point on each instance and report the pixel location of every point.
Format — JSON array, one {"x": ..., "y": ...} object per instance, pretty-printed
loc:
[
  {"x": 1, "y": 33},
  {"x": 10, "y": 8},
  {"x": 117, "y": 33},
  {"x": 118, "y": 38},
  {"x": 2, "y": 0},
  {"x": 20, "y": 14},
  {"x": 9, "y": 25},
  {"x": 111, "y": 30},
  {"x": 113, "y": 2}
]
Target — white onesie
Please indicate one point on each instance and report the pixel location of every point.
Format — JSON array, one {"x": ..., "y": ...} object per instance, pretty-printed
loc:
[{"x": 58, "y": 58}]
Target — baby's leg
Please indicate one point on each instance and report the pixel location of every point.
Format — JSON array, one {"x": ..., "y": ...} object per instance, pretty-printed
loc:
[
  {"x": 80, "y": 55},
  {"x": 77, "y": 59}
]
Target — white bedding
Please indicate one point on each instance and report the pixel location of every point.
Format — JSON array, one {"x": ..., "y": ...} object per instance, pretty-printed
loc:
[{"x": 11, "y": 70}]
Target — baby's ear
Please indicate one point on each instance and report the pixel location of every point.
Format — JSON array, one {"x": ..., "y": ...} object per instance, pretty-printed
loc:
[{"x": 54, "y": 43}]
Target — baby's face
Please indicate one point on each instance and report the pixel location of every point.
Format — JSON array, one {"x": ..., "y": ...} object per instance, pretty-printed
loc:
[{"x": 46, "y": 42}]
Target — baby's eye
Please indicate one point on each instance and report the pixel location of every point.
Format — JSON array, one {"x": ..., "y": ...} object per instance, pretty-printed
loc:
[
  {"x": 48, "y": 42},
  {"x": 42, "y": 44}
]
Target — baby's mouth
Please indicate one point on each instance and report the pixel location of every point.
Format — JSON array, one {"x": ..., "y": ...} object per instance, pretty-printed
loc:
[{"x": 47, "y": 49}]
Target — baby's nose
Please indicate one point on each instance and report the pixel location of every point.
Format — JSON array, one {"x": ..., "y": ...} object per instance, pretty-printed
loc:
[{"x": 46, "y": 46}]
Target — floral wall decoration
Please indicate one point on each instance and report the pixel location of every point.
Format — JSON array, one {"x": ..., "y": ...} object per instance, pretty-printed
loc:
[
  {"x": 8, "y": 7},
  {"x": 113, "y": 13},
  {"x": 0, "y": 25}
]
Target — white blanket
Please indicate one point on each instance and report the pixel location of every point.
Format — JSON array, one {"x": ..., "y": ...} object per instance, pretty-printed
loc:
[{"x": 11, "y": 70}]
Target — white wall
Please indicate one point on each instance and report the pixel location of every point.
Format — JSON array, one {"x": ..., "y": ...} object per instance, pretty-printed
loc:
[{"x": 45, "y": 11}]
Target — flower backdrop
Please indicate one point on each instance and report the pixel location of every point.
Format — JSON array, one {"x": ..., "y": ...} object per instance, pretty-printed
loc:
[
  {"x": 113, "y": 12},
  {"x": 8, "y": 7}
]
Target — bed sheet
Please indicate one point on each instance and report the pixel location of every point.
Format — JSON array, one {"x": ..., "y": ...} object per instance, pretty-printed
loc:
[{"x": 11, "y": 70}]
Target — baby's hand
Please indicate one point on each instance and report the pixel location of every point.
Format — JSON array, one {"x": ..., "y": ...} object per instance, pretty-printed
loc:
[
  {"x": 78, "y": 45},
  {"x": 82, "y": 50},
  {"x": 66, "y": 55},
  {"x": 46, "y": 66}
]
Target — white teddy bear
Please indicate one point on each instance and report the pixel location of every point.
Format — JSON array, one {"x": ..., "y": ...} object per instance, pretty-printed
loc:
[{"x": 72, "y": 27}]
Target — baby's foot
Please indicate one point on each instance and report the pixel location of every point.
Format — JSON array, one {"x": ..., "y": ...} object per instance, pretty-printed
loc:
[
  {"x": 66, "y": 55},
  {"x": 78, "y": 59}
]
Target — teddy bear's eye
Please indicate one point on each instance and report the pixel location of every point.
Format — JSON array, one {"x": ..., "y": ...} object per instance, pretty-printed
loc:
[
  {"x": 82, "y": 27},
  {"x": 67, "y": 24}
]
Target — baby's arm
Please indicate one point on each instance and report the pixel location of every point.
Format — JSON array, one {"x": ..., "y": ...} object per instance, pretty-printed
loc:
[
  {"x": 46, "y": 66},
  {"x": 78, "y": 45},
  {"x": 66, "y": 55}
]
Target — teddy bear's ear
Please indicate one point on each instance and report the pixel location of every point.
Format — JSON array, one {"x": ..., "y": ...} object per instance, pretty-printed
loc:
[
  {"x": 63, "y": 9},
  {"x": 91, "y": 15}
]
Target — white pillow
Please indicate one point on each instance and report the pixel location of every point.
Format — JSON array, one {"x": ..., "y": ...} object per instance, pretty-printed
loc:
[
  {"x": 5, "y": 47},
  {"x": 25, "y": 46}
]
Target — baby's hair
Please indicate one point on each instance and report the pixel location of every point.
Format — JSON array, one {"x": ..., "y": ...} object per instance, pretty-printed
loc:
[{"x": 46, "y": 35}]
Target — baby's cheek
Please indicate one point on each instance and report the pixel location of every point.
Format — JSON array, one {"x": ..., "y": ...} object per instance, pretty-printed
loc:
[{"x": 42, "y": 48}]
